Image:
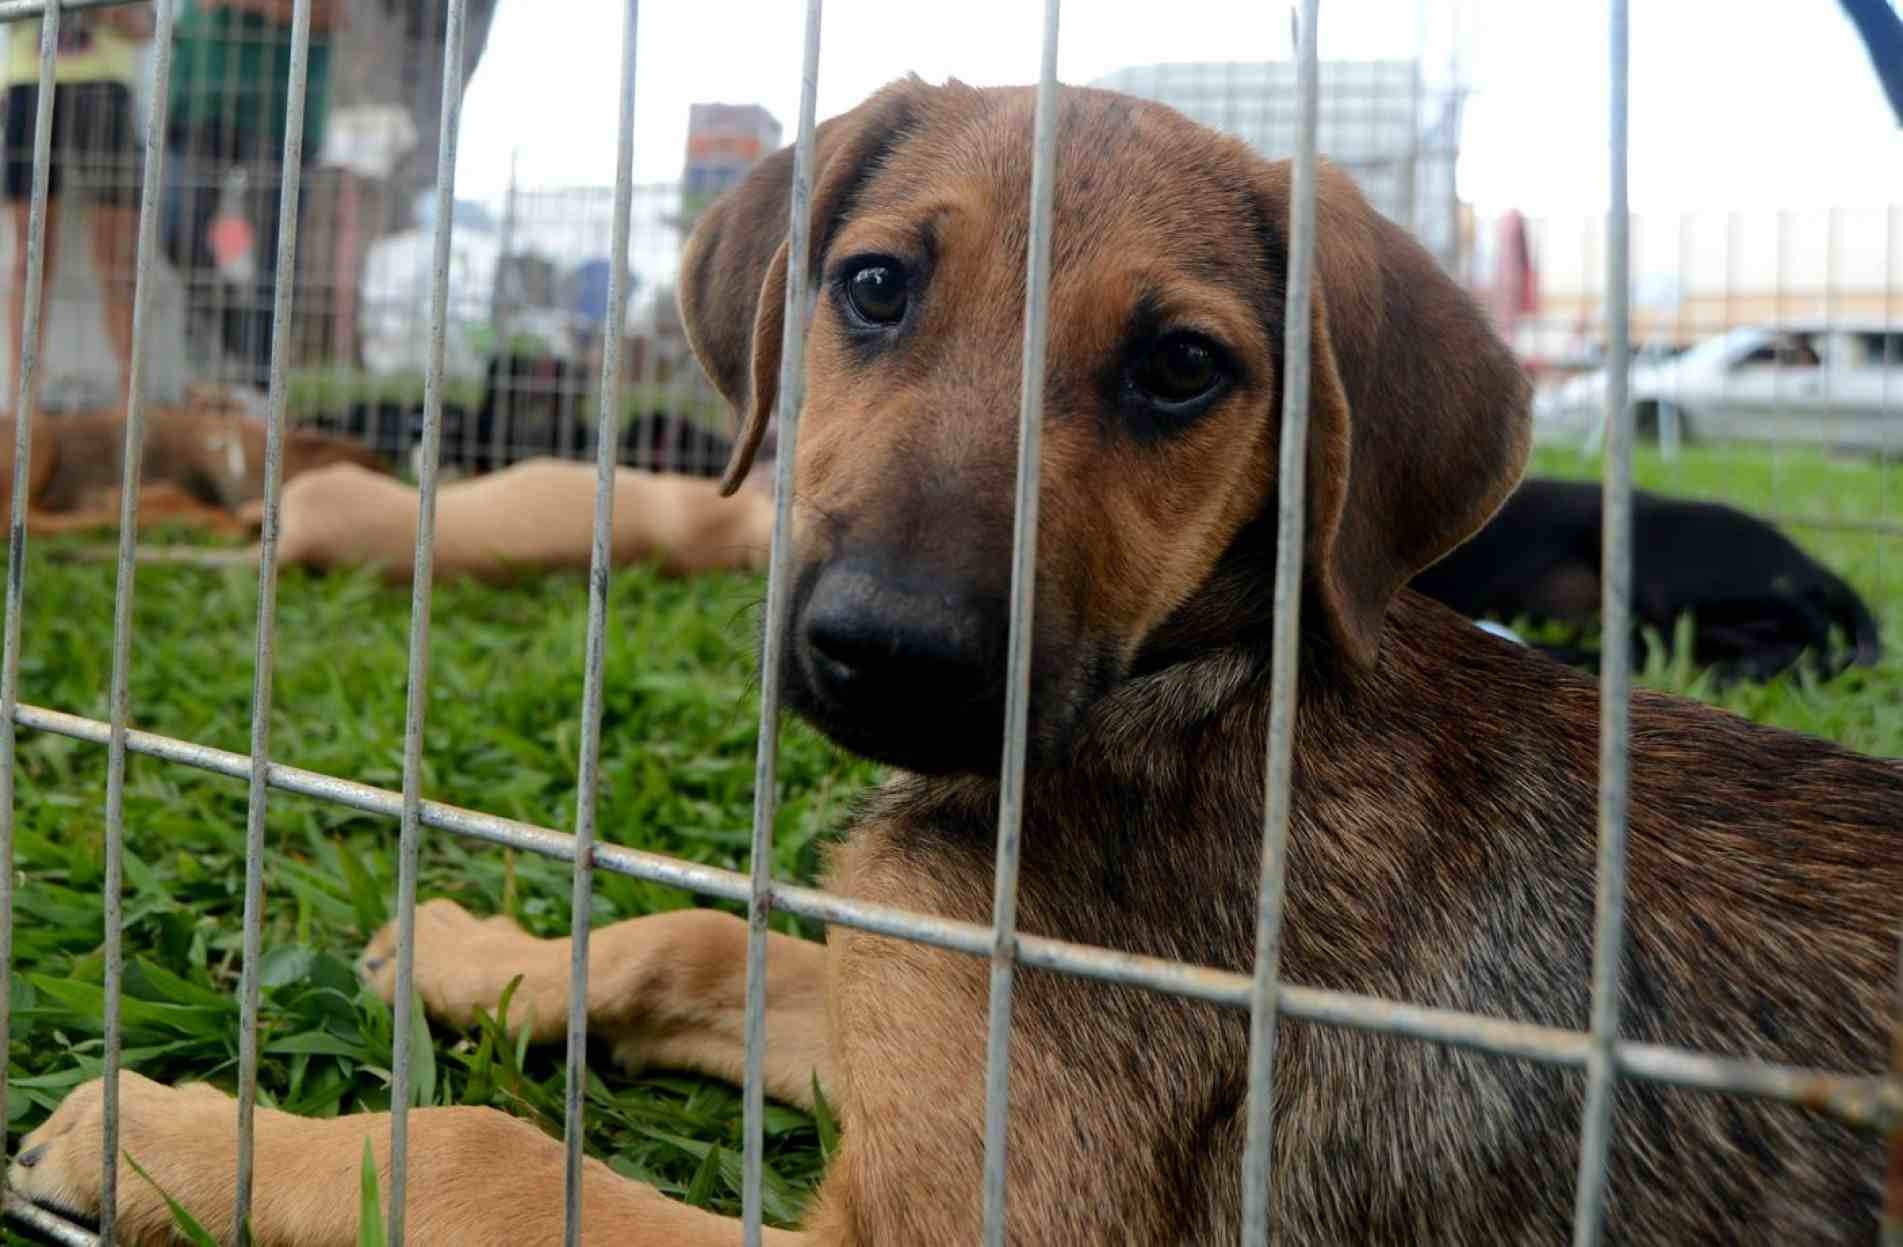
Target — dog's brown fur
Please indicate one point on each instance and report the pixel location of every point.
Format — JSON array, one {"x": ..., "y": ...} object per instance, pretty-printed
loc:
[
  {"x": 200, "y": 466},
  {"x": 1441, "y": 849}
]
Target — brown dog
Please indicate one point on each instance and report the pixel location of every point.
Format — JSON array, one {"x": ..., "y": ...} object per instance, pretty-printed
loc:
[
  {"x": 536, "y": 515},
  {"x": 533, "y": 517},
  {"x": 200, "y": 466},
  {"x": 1441, "y": 849}
]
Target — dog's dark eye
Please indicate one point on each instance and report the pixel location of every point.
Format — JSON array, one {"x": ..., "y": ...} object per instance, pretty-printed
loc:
[
  {"x": 1176, "y": 370},
  {"x": 877, "y": 293}
]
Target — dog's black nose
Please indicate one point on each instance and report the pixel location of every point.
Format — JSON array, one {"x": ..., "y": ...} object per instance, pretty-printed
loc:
[{"x": 872, "y": 645}]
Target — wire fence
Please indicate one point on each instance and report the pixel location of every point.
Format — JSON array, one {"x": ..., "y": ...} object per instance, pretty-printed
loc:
[{"x": 1870, "y": 1101}]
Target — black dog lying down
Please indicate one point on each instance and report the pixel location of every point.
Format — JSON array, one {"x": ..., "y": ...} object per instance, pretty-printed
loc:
[
  {"x": 1757, "y": 602},
  {"x": 531, "y": 406}
]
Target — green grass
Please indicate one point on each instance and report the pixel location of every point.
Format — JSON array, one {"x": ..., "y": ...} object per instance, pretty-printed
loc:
[
  {"x": 679, "y": 726},
  {"x": 679, "y": 733}
]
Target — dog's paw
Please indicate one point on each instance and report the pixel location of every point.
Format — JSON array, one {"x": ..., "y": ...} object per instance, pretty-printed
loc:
[
  {"x": 457, "y": 961},
  {"x": 182, "y": 1136}
]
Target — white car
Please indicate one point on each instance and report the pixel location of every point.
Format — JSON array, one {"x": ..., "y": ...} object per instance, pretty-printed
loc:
[{"x": 1838, "y": 385}]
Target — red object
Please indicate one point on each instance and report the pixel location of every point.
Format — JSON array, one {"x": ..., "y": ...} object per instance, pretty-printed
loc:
[
  {"x": 739, "y": 146},
  {"x": 1515, "y": 283},
  {"x": 231, "y": 240}
]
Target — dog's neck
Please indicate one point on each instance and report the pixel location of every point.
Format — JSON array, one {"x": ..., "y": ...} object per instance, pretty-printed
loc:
[
  {"x": 1208, "y": 673},
  {"x": 1159, "y": 803},
  {"x": 1230, "y": 620}
]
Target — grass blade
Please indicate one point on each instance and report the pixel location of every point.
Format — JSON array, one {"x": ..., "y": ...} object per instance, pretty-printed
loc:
[{"x": 370, "y": 1204}]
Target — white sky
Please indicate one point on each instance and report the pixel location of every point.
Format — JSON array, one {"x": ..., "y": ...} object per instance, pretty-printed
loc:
[{"x": 1735, "y": 103}]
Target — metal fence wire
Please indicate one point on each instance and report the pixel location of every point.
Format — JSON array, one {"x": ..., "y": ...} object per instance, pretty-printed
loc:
[{"x": 1867, "y": 1100}]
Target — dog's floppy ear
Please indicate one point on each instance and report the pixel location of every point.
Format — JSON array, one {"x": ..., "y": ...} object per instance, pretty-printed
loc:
[
  {"x": 1419, "y": 424},
  {"x": 732, "y": 289}
]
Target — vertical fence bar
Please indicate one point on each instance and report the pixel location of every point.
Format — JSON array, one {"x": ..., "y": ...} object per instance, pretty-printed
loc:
[
  {"x": 1286, "y": 641},
  {"x": 500, "y": 296},
  {"x": 222, "y": 170},
  {"x": 418, "y": 694},
  {"x": 29, "y": 329},
  {"x": 778, "y": 600},
  {"x": 676, "y": 397},
  {"x": 1004, "y": 900},
  {"x": 266, "y": 657},
  {"x": 1827, "y": 353},
  {"x": 1615, "y": 684},
  {"x": 1671, "y": 420},
  {"x": 1893, "y": 1170},
  {"x": 1892, "y": 357},
  {"x": 121, "y": 694},
  {"x": 600, "y": 567},
  {"x": 1779, "y": 418}
]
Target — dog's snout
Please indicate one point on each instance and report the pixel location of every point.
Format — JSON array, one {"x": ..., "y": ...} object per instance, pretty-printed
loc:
[{"x": 870, "y": 643}]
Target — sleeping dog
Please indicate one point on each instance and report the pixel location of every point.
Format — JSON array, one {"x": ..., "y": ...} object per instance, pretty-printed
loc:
[
  {"x": 202, "y": 467},
  {"x": 1757, "y": 602}
]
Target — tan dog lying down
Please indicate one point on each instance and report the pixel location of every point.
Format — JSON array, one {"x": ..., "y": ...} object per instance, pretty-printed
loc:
[
  {"x": 203, "y": 465},
  {"x": 536, "y": 515}
]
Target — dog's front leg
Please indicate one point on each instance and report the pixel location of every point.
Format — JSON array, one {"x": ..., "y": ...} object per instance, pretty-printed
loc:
[
  {"x": 477, "y": 1177},
  {"x": 665, "y": 991}
]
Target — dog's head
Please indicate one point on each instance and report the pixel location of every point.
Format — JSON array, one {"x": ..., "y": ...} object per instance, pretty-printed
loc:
[{"x": 1161, "y": 409}]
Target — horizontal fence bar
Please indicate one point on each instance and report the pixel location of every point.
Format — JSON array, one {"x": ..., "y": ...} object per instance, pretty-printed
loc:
[
  {"x": 23, "y": 10},
  {"x": 1865, "y": 1100},
  {"x": 208, "y": 558},
  {"x": 56, "y": 1230}
]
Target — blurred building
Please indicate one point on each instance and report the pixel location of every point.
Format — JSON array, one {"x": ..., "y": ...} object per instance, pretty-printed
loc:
[
  {"x": 1384, "y": 122},
  {"x": 723, "y": 142}
]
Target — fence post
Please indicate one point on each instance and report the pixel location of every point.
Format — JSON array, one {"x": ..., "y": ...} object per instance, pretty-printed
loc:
[
  {"x": 1615, "y": 684},
  {"x": 1291, "y": 480},
  {"x": 773, "y": 653}
]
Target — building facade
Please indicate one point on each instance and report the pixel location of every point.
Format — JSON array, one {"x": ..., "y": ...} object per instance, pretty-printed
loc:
[
  {"x": 723, "y": 142},
  {"x": 1384, "y": 122}
]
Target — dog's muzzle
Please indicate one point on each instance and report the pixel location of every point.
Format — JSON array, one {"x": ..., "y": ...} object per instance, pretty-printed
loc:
[{"x": 898, "y": 668}]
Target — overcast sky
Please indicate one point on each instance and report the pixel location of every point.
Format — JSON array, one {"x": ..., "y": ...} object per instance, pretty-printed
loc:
[{"x": 1742, "y": 103}]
